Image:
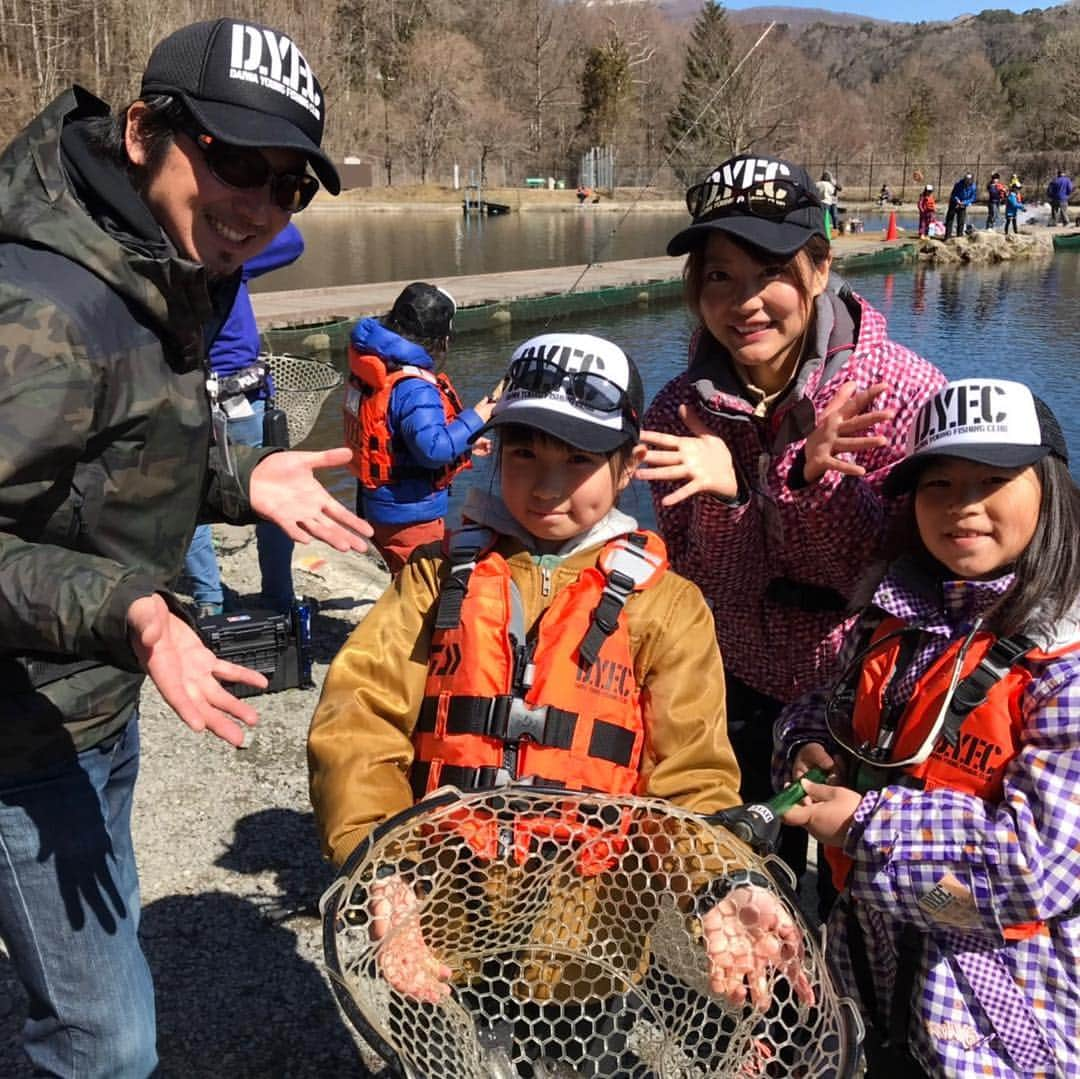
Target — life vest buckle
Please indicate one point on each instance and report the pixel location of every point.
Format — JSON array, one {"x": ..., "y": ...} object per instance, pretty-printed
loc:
[
  {"x": 499, "y": 777},
  {"x": 512, "y": 720}
]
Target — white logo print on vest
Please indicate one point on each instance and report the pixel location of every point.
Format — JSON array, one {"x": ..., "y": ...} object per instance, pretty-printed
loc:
[{"x": 272, "y": 60}]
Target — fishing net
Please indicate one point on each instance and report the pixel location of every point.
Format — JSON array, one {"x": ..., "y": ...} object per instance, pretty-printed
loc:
[
  {"x": 571, "y": 936},
  {"x": 301, "y": 386}
]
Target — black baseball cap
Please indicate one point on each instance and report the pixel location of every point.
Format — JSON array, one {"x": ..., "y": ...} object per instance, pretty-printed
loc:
[
  {"x": 246, "y": 84},
  {"x": 764, "y": 201},
  {"x": 423, "y": 311},
  {"x": 992, "y": 421}
]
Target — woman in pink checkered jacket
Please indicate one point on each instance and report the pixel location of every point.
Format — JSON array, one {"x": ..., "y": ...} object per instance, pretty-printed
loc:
[{"x": 767, "y": 454}]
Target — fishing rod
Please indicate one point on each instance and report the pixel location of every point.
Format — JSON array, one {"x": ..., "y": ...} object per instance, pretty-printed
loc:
[{"x": 670, "y": 154}]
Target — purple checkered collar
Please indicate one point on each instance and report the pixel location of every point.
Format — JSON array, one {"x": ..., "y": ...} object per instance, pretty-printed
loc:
[{"x": 910, "y": 592}]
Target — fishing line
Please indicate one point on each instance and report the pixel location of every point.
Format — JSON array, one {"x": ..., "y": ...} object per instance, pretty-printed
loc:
[{"x": 671, "y": 153}]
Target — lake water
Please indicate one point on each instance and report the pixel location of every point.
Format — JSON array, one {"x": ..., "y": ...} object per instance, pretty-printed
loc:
[
  {"x": 346, "y": 247},
  {"x": 1015, "y": 320}
]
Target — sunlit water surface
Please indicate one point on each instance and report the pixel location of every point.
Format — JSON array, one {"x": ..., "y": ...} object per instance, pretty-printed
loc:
[{"x": 1015, "y": 320}]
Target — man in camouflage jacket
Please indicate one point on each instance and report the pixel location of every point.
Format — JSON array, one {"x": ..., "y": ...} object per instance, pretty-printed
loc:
[{"x": 121, "y": 241}]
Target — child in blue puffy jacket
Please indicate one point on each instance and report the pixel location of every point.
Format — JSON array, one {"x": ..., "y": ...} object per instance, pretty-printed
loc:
[
  {"x": 404, "y": 421},
  {"x": 1014, "y": 203}
]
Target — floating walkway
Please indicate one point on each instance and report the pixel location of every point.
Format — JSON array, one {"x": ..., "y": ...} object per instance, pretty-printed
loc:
[{"x": 305, "y": 319}]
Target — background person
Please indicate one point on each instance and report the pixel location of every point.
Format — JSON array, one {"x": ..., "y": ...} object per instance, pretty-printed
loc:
[
  {"x": 828, "y": 190},
  {"x": 767, "y": 455},
  {"x": 234, "y": 355},
  {"x": 963, "y": 194},
  {"x": 122, "y": 241},
  {"x": 404, "y": 421},
  {"x": 959, "y": 933},
  {"x": 1057, "y": 192},
  {"x": 1014, "y": 203},
  {"x": 927, "y": 210},
  {"x": 995, "y": 199}
]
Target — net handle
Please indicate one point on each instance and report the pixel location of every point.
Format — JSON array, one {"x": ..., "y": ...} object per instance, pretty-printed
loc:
[{"x": 264, "y": 348}]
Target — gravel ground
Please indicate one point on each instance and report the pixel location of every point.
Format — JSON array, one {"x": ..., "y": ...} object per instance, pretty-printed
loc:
[{"x": 231, "y": 870}]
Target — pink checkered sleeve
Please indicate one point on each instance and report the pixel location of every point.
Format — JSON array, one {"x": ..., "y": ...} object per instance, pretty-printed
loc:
[{"x": 841, "y": 518}]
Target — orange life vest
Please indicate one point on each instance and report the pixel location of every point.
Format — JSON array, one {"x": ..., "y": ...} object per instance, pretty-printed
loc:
[
  {"x": 980, "y": 735},
  {"x": 562, "y": 710},
  {"x": 367, "y": 433}
]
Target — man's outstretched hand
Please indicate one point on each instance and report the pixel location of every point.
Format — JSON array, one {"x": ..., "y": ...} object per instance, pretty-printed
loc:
[
  {"x": 187, "y": 674},
  {"x": 284, "y": 490}
]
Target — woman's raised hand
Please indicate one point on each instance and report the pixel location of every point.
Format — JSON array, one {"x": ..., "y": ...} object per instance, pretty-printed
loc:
[
  {"x": 700, "y": 460},
  {"x": 840, "y": 428}
]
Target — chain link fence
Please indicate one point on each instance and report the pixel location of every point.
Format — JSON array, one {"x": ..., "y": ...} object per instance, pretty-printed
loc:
[{"x": 600, "y": 168}]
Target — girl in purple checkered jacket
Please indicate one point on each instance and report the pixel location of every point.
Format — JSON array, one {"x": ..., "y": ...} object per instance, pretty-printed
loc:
[
  {"x": 951, "y": 817},
  {"x": 767, "y": 455}
]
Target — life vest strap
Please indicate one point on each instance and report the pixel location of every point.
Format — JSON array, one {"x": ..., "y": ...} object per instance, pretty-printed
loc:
[
  {"x": 627, "y": 567},
  {"x": 471, "y": 779},
  {"x": 466, "y": 545},
  {"x": 453, "y": 775},
  {"x": 509, "y": 720},
  {"x": 506, "y": 718},
  {"x": 972, "y": 690}
]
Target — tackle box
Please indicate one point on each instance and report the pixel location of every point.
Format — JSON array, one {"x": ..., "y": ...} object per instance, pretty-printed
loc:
[{"x": 276, "y": 645}]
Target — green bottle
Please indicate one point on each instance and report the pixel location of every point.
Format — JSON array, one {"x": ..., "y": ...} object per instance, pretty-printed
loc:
[{"x": 758, "y": 825}]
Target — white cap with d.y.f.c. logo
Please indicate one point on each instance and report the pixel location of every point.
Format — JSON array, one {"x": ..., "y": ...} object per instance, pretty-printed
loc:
[
  {"x": 576, "y": 387},
  {"x": 989, "y": 420}
]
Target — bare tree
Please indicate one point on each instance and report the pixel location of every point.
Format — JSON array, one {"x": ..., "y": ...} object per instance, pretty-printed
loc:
[
  {"x": 490, "y": 129},
  {"x": 439, "y": 69}
]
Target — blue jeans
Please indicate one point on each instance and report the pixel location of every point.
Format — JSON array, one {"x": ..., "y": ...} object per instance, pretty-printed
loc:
[
  {"x": 69, "y": 913},
  {"x": 275, "y": 548}
]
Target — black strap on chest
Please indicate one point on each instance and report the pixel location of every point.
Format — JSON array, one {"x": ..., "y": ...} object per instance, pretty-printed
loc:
[
  {"x": 972, "y": 690},
  {"x": 619, "y": 586},
  {"x": 466, "y": 546},
  {"x": 505, "y": 718}
]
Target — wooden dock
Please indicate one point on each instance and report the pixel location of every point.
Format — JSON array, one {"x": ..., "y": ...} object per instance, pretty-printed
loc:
[{"x": 500, "y": 291}]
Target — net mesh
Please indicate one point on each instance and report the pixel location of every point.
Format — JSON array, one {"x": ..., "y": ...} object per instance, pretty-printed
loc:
[
  {"x": 301, "y": 386},
  {"x": 571, "y": 932}
]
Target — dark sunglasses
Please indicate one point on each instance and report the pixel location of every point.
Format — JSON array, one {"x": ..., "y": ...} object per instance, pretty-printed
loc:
[
  {"x": 591, "y": 390},
  {"x": 770, "y": 199},
  {"x": 246, "y": 168}
]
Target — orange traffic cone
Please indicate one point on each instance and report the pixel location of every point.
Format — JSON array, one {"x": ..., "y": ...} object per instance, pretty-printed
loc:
[{"x": 890, "y": 232}]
